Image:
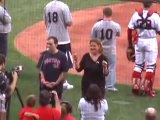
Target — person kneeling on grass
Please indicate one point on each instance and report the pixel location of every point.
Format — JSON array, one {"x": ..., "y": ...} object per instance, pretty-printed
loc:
[{"x": 30, "y": 103}]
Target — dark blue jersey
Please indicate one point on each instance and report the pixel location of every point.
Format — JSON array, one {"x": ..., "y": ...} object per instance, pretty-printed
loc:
[{"x": 52, "y": 65}]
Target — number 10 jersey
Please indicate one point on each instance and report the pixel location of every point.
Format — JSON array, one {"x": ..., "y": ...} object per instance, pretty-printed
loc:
[{"x": 106, "y": 31}]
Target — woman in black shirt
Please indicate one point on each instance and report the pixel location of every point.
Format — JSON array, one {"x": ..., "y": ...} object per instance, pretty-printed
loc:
[{"x": 95, "y": 67}]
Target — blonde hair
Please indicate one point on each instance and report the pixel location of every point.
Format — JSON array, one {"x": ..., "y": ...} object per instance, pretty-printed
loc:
[{"x": 98, "y": 42}]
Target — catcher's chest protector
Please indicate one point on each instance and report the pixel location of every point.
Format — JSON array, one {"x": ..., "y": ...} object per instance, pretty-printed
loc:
[{"x": 144, "y": 23}]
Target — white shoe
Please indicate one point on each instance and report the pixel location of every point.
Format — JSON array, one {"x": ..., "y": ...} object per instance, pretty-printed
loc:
[
  {"x": 67, "y": 86},
  {"x": 112, "y": 89}
]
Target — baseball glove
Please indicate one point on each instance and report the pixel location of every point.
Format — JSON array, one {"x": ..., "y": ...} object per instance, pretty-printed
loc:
[{"x": 131, "y": 54}]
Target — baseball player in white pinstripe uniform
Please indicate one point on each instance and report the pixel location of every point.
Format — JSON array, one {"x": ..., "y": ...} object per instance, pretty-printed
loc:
[
  {"x": 107, "y": 30},
  {"x": 147, "y": 24},
  {"x": 58, "y": 18}
]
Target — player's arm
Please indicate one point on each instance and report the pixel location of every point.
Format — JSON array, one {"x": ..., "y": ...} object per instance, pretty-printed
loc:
[
  {"x": 67, "y": 16},
  {"x": 118, "y": 30},
  {"x": 158, "y": 24},
  {"x": 130, "y": 29},
  {"x": 129, "y": 37},
  {"x": 69, "y": 24},
  {"x": 94, "y": 32}
]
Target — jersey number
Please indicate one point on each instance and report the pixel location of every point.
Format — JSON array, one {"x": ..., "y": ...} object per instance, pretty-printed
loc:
[
  {"x": 144, "y": 24},
  {"x": 108, "y": 34},
  {"x": 52, "y": 17}
]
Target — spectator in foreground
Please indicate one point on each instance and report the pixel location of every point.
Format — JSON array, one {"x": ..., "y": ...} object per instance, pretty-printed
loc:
[
  {"x": 151, "y": 114},
  {"x": 95, "y": 67},
  {"x": 29, "y": 108},
  {"x": 93, "y": 106},
  {"x": 44, "y": 111},
  {"x": 66, "y": 110}
]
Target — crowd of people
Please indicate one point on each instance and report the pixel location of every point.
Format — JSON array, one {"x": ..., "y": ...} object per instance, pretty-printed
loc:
[{"x": 98, "y": 64}]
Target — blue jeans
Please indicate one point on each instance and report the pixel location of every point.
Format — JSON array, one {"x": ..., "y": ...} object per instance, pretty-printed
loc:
[{"x": 111, "y": 78}]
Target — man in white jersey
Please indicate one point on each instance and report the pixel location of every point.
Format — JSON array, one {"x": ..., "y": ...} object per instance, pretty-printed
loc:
[
  {"x": 57, "y": 18},
  {"x": 107, "y": 31},
  {"x": 147, "y": 24}
]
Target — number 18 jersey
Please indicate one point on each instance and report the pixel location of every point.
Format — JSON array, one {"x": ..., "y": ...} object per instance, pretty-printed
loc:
[
  {"x": 106, "y": 31},
  {"x": 57, "y": 15}
]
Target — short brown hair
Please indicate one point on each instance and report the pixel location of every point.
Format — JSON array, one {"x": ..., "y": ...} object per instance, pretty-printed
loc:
[
  {"x": 44, "y": 98},
  {"x": 107, "y": 12},
  {"x": 54, "y": 38},
  {"x": 31, "y": 100},
  {"x": 147, "y": 3}
]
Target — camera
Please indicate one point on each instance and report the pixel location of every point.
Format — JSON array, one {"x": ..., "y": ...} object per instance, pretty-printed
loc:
[{"x": 17, "y": 69}]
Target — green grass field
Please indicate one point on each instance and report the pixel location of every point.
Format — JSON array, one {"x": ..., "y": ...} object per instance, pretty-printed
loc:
[{"x": 122, "y": 105}]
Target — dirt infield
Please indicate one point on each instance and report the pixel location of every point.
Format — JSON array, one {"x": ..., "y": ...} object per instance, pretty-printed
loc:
[{"x": 32, "y": 40}]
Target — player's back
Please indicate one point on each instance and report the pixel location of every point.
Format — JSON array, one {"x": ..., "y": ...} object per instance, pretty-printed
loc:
[
  {"x": 146, "y": 25},
  {"x": 107, "y": 31},
  {"x": 57, "y": 15}
]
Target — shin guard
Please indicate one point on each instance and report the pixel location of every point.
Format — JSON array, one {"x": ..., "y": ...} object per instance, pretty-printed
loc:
[{"x": 136, "y": 79}]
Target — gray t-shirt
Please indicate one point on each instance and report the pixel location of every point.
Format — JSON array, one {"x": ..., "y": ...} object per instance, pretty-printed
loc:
[
  {"x": 57, "y": 15},
  {"x": 5, "y": 21},
  {"x": 106, "y": 31}
]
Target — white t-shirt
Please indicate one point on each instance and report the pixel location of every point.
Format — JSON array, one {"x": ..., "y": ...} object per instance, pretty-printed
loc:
[{"x": 88, "y": 112}]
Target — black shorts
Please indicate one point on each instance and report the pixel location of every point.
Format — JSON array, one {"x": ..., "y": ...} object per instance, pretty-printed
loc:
[{"x": 67, "y": 50}]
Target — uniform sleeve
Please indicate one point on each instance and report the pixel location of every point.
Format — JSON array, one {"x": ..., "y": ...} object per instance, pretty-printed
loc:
[
  {"x": 67, "y": 15},
  {"x": 132, "y": 21},
  {"x": 5, "y": 18},
  {"x": 94, "y": 32},
  {"x": 157, "y": 22},
  {"x": 118, "y": 30},
  {"x": 65, "y": 66}
]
